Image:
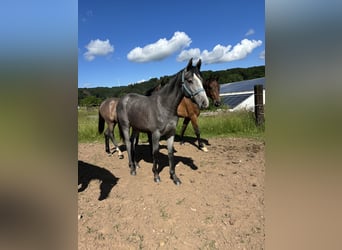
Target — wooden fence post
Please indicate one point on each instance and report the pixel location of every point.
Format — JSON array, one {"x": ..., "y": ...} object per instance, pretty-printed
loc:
[{"x": 259, "y": 104}]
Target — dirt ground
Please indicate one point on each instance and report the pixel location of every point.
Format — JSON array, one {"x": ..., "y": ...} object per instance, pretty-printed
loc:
[{"x": 219, "y": 205}]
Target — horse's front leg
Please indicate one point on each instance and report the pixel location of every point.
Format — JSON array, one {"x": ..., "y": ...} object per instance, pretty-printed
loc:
[
  {"x": 173, "y": 175},
  {"x": 155, "y": 153},
  {"x": 194, "y": 124}
]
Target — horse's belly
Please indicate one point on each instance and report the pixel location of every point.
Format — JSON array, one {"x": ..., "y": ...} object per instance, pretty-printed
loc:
[
  {"x": 169, "y": 128},
  {"x": 141, "y": 123}
]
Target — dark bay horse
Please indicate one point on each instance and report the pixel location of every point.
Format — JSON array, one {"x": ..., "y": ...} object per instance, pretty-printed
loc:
[
  {"x": 157, "y": 115},
  {"x": 190, "y": 111},
  {"x": 107, "y": 113}
]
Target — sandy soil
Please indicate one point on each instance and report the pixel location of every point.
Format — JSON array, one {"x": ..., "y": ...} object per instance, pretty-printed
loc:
[{"x": 219, "y": 205}]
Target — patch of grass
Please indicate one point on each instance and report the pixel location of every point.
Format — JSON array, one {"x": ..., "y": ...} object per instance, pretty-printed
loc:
[
  {"x": 210, "y": 245},
  {"x": 90, "y": 230},
  {"x": 165, "y": 215},
  {"x": 240, "y": 123},
  {"x": 227, "y": 124},
  {"x": 88, "y": 127},
  {"x": 208, "y": 219},
  {"x": 199, "y": 232},
  {"x": 116, "y": 227},
  {"x": 100, "y": 236},
  {"x": 136, "y": 238},
  {"x": 180, "y": 201}
]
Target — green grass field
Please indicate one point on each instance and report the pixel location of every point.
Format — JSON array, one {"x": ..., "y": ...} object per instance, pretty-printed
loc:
[{"x": 227, "y": 124}]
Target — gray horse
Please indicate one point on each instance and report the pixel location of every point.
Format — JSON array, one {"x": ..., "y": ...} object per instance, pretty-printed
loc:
[{"x": 157, "y": 115}]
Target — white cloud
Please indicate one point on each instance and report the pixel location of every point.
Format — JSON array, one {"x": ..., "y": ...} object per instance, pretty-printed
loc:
[
  {"x": 220, "y": 53},
  {"x": 262, "y": 54},
  {"x": 187, "y": 54},
  {"x": 250, "y": 32},
  {"x": 98, "y": 48},
  {"x": 160, "y": 49}
]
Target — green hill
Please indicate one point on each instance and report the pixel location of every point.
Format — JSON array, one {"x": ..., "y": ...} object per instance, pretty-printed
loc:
[{"x": 94, "y": 96}]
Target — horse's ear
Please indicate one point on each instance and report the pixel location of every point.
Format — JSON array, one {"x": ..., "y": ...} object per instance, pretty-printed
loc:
[
  {"x": 198, "y": 65},
  {"x": 188, "y": 67}
]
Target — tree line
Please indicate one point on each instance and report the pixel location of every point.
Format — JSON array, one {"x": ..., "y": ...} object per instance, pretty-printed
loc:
[{"x": 94, "y": 96}]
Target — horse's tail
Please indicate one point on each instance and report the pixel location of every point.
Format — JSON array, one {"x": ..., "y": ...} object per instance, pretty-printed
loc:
[
  {"x": 101, "y": 123},
  {"x": 120, "y": 130}
]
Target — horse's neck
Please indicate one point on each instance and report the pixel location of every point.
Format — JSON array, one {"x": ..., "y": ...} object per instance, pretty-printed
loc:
[
  {"x": 172, "y": 94},
  {"x": 205, "y": 86}
]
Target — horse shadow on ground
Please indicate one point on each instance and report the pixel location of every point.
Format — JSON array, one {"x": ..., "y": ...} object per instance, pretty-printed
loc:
[
  {"x": 187, "y": 139},
  {"x": 88, "y": 172},
  {"x": 143, "y": 152},
  {"x": 192, "y": 140}
]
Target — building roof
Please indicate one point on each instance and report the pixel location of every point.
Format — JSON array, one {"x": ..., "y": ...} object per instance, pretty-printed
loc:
[
  {"x": 241, "y": 86},
  {"x": 233, "y": 94}
]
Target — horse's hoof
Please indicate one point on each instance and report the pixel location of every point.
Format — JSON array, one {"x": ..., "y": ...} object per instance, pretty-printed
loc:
[
  {"x": 137, "y": 165},
  {"x": 157, "y": 179},
  {"x": 204, "y": 149},
  {"x": 121, "y": 157},
  {"x": 181, "y": 142},
  {"x": 177, "y": 182},
  {"x": 133, "y": 172}
]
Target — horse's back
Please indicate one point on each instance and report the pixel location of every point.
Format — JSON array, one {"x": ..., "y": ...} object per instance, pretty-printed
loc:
[
  {"x": 134, "y": 109},
  {"x": 132, "y": 102}
]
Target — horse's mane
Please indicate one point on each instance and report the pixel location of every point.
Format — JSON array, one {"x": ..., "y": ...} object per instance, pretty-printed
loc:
[
  {"x": 153, "y": 89},
  {"x": 212, "y": 78},
  {"x": 170, "y": 84},
  {"x": 165, "y": 87}
]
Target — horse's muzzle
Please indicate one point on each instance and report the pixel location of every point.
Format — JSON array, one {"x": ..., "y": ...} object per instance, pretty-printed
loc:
[
  {"x": 217, "y": 103},
  {"x": 204, "y": 104}
]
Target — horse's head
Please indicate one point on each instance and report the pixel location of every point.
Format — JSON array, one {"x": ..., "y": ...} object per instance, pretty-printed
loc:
[
  {"x": 212, "y": 88},
  {"x": 192, "y": 84}
]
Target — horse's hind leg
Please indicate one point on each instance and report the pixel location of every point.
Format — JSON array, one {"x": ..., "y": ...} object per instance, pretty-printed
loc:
[
  {"x": 134, "y": 138},
  {"x": 173, "y": 175},
  {"x": 155, "y": 151},
  {"x": 112, "y": 137},
  {"x": 185, "y": 125},
  {"x": 125, "y": 133},
  {"x": 107, "y": 136}
]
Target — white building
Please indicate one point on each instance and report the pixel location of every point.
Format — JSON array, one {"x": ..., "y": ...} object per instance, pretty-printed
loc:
[{"x": 240, "y": 95}]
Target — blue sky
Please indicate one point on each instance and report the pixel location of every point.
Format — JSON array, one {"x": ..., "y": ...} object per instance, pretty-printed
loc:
[{"x": 124, "y": 42}]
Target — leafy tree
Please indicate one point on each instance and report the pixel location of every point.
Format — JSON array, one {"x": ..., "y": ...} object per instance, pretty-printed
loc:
[{"x": 90, "y": 101}]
